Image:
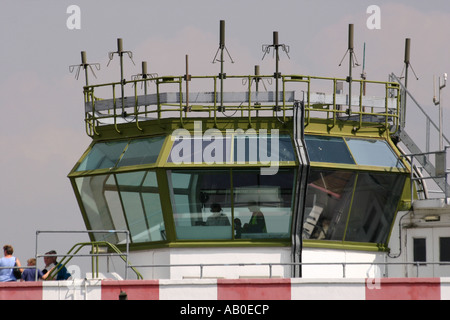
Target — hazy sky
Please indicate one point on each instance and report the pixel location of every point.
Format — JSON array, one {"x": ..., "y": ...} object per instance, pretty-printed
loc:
[{"x": 43, "y": 133}]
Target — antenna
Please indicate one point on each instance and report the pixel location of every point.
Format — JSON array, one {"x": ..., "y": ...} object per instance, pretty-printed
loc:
[
  {"x": 120, "y": 52},
  {"x": 407, "y": 61},
  {"x": 85, "y": 66},
  {"x": 276, "y": 46},
  {"x": 145, "y": 75},
  {"x": 351, "y": 65},
  {"x": 221, "y": 48}
]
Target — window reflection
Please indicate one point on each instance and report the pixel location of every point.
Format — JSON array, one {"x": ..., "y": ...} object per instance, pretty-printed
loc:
[
  {"x": 351, "y": 206},
  {"x": 102, "y": 155},
  {"x": 123, "y": 201},
  {"x": 327, "y": 204},
  {"x": 374, "y": 206},
  {"x": 201, "y": 204},
  {"x": 262, "y": 203}
]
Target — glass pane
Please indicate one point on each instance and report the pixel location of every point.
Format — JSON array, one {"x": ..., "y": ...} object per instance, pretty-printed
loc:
[
  {"x": 201, "y": 204},
  {"x": 208, "y": 149},
  {"x": 328, "y": 198},
  {"x": 142, "y": 206},
  {"x": 142, "y": 151},
  {"x": 263, "y": 204},
  {"x": 95, "y": 200},
  {"x": 444, "y": 249},
  {"x": 374, "y": 206},
  {"x": 102, "y": 155},
  {"x": 328, "y": 149},
  {"x": 253, "y": 149},
  {"x": 373, "y": 153}
]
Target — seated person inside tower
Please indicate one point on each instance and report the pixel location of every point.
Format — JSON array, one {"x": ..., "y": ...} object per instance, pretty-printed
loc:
[
  {"x": 218, "y": 218},
  {"x": 257, "y": 222}
]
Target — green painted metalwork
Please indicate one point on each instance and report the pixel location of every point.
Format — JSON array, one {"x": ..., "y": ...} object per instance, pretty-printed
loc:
[
  {"x": 95, "y": 245},
  {"x": 161, "y": 110}
]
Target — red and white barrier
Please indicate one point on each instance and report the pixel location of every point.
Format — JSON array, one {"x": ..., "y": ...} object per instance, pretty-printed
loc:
[{"x": 232, "y": 289}]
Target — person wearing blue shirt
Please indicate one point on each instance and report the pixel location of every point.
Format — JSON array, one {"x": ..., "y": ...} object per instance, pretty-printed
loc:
[
  {"x": 7, "y": 263},
  {"x": 29, "y": 274},
  {"x": 50, "y": 262}
]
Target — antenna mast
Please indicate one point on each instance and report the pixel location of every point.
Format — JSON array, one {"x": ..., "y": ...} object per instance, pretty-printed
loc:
[
  {"x": 351, "y": 65},
  {"x": 120, "y": 52},
  {"x": 85, "y": 66},
  {"x": 277, "y": 75},
  {"x": 221, "y": 48}
]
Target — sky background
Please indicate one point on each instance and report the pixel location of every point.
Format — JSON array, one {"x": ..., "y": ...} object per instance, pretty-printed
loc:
[{"x": 43, "y": 132}]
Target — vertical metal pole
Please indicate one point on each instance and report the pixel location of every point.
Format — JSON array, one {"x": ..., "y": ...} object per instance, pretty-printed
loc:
[
  {"x": 120, "y": 53},
  {"x": 85, "y": 66},
  {"x": 187, "y": 83},
  {"x": 144, "y": 76},
  {"x": 276, "y": 47},
  {"x": 407, "y": 58},
  {"x": 350, "y": 48},
  {"x": 222, "y": 47}
]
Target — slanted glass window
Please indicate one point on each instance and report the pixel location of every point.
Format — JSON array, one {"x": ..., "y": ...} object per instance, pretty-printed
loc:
[
  {"x": 101, "y": 203},
  {"x": 236, "y": 148},
  {"x": 372, "y": 152},
  {"x": 351, "y": 206},
  {"x": 204, "y": 149},
  {"x": 102, "y": 155},
  {"x": 374, "y": 206},
  {"x": 122, "y": 153},
  {"x": 327, "y": 204},
  {"x": 201, "y": 202},
  {"x": 263, "y": 204},
  {"x": 263, "y": 148},
  {"x": 142, "y": 151},
  {"x": 328, "y": 149},
  {"x": 126, "y": 201},
  {"x": 141, "y": 204}
]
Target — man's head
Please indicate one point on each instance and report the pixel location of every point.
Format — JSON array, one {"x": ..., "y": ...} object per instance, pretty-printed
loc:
[{"x": 48, "y": 260}]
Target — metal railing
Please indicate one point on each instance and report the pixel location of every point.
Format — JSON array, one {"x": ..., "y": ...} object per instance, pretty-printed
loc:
[
  {"x": 137, "y": 108},
  {"x": 94, "y": 255},
  {"x": 441, "y": 171},
  {"x": 270, "y": 266}
]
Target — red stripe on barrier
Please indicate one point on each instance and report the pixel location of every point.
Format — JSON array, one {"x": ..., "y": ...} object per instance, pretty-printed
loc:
[
  {"x": 254, "y": 289},
  {"x": 134, "y": 289},
  {"x": 403, "y": 289},
  {"x": 21, "y": 291}
]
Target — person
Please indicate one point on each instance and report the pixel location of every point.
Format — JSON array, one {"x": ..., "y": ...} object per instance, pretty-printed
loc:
[
  {"x": 257, "y": 222},
  {"x": 7, "y": 274},
  {"x": 218, "y": 218},
  {"x": 29, "y": 274},
  {"x": 50, "y": 263}
]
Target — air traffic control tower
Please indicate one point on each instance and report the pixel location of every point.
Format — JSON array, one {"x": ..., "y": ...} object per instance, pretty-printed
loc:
[{"x": 277, "y": 173}]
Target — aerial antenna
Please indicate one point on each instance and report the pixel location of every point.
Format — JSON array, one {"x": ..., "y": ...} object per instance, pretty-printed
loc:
[
  {"x": 407, "y": 61},
  {"x": 145, "y": 75},
  {"x": 85, "y": 66},
  {"x": 276, "y": 46},
  {"x": 353, "y": 62},
  {"x": 406, "y": 66},
  {"x": 222, "y": 48},
  {"x": 120, "y": 52}
]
